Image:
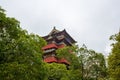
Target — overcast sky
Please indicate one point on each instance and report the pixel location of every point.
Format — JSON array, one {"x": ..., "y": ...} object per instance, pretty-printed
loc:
[{"x": 91, "y": 22}]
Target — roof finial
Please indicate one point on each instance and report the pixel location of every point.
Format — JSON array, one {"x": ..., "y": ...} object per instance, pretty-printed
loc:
[
  {"x": 54, "y": 27},
  {"x": 84, "y": 46}
]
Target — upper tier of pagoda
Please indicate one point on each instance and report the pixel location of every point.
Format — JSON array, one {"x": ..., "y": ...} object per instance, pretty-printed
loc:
[{"x": 59, "y": 37}]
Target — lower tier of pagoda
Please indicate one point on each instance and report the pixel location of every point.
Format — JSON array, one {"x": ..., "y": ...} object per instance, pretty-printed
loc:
[{"x": 54, "y": 59}]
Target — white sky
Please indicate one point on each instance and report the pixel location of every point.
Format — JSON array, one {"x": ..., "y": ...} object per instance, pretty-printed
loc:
[{"x": 91, "y": 22}]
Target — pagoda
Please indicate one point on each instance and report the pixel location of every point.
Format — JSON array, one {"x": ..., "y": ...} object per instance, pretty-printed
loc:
[{"x": 56, "y": 39}]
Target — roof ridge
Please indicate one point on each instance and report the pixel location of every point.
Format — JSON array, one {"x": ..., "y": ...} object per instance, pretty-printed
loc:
[{"x": 54, "y": 30}]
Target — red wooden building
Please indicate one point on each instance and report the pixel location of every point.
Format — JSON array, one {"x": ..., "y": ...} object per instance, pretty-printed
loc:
[{"x": 56, "y": 39}]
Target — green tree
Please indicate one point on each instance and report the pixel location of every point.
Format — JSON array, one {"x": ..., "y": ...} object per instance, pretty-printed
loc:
[
  {"x": 93, "y": 65},
  {"x": 20, "y": 52},
  {"x": 56, "y": 71},
  {"x": 114, "y": 58},
  {"x": 69, "y": 53}
]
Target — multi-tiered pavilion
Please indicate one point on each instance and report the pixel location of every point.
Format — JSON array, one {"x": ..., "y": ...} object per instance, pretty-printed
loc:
[{"x": 56, "y": 39}]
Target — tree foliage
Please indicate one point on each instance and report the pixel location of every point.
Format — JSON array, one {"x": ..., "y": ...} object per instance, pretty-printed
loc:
[
  {"x": 20, "y": 52},
  {"x": 114, "y": 58},
  {"x": 92, "y": 64},
  {"x": 56, "y": 72},
  {"x": 69, "y": 53}
]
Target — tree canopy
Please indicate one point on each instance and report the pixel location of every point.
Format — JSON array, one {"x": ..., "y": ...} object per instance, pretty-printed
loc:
[
  {"x": 20, "y": 52},
  {"x": 114, "y": 58},
  {"x": 93, "y": 65}
]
